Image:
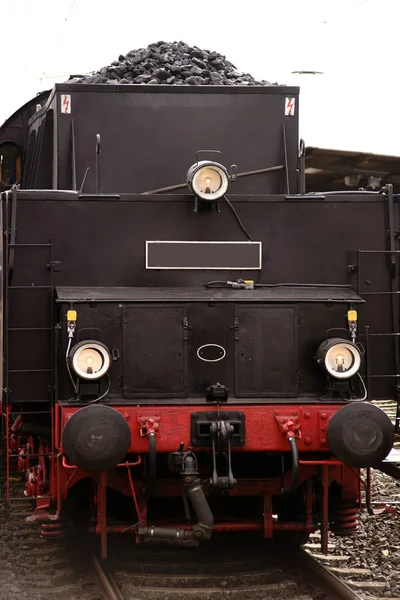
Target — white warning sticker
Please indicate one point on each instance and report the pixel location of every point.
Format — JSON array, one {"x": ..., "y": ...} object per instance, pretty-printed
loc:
[
  {"x": 289, "y": 106},
  {"x": 66, "y": 104}
]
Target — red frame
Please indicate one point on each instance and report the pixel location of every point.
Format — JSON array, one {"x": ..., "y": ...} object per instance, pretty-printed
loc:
[{"x": 267, "y": 428}]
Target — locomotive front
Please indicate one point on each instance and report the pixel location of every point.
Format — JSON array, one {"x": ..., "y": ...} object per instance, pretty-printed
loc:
[{"x": 192, "y": 357}]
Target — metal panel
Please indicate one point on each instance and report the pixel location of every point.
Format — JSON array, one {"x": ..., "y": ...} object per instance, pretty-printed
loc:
[
  {"x": 266, "y": 351},
  {"x": 154, "y": 351},
  {"x": 210, "y": 352},
  {"x": 203, "y": 255},
  {"x": 248, "y": 125}
]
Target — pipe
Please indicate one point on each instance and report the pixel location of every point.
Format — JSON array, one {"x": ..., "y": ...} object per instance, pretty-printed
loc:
[
  {"x": 180, "y": 186},
  {"x": 151, "y": 478},
  {"x": 202, "y": 530},
  {"x": 294, "y": 484},
  {"x": 165, "y": 532},
  {"x": 205, "y": 518}
]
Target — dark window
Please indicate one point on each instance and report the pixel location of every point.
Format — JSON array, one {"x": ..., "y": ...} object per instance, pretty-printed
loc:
[{"x": 10, "y": 164}]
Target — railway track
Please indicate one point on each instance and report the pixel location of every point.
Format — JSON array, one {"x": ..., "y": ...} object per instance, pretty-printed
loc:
[{"x": 234, "y": 569}]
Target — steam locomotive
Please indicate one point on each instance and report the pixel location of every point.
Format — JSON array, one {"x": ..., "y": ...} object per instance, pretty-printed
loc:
[{"x": 190, "y": 340}]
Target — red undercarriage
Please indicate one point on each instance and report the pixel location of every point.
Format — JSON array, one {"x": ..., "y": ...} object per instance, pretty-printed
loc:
[{"x": 49, "y": 475}]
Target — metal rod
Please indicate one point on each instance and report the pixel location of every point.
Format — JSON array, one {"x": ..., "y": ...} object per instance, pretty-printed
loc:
[
  {"x": 324, "y": 519},
  {"x": 302, "y": 167},
  {"x": 29, "y": 412},
  {"x": 368, "y": 492},
  {"x": 367, "y": 360},
  {"x": 286, "y": 159},
  {"x": 73, "y": 156},
  {"x": 98, "y": 164},
  {"x": 29, "y": 287},
  {"x": 102, "y": 514},
  {"x": 181, "y": 186},
  {"x": 30, "y": 370},
  {"x": 84, "y": 180},
  {"x": 29, "y": 245},
  {"x": 30, "y": 329},
  {"x": 6, "y": 312},
  {"x": 7, "y": 453},
  {"x": 394, "y": 282},
  {"x": 13, "y": 233}
]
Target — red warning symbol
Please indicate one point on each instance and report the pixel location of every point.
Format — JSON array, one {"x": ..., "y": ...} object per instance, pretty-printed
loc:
[
  {"x": 289, "y": 106},
  {"x": 66, "y": 104}
]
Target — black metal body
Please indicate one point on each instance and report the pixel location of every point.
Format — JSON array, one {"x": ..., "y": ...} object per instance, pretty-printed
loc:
[
  {"x": 149, "y": 136},
  {"x": 87, "y": 250}
]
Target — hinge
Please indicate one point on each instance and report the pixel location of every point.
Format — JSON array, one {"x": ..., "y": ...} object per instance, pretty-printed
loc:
[
  {"x": 396, "y": 234},
  {"x": 352, "y": 269},
  {"x": 186, "y": 328},
  {"x": 300, "y": 319},
  {"x": 54, "y": 265},
  {"x": 235, "y": 327}
]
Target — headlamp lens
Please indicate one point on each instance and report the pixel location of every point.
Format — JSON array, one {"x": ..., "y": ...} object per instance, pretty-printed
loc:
[
  {"x": 341, "y": 358},
  {"x": 90, "y": 360}
]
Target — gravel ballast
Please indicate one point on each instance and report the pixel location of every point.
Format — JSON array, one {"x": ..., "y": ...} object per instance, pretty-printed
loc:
[{"x": 376, "y": 545}]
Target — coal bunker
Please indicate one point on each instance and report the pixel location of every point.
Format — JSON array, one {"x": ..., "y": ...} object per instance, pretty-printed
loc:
[{"x": 174, "y": 63}]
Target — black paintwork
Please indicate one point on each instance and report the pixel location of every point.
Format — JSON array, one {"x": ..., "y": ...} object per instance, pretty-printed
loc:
[{"x": 89, "y": 252}]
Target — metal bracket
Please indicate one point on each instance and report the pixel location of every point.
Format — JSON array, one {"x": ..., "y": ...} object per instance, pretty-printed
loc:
[
  {"x": 221, "y": 431},
  {"x": 148, "y": 424},
  {"x": 201, "y": 427},
  {"x": 289, "y": 425},
  {"x": 54, "y": 265}
]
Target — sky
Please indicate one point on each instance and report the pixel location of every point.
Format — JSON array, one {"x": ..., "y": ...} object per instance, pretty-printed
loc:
[{"x": 350, "y": 105}]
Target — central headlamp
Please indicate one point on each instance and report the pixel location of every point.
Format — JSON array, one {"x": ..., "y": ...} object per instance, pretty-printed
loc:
[
  {"x": 208, "y": 180},
  {"x": 90, "y": 360},
  {"x": 341, "y": 358}
]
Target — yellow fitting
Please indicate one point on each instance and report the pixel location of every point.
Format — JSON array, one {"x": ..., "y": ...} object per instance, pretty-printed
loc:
[
  {"x": 352, "y": 315},
  {"x": 72, "y": 315}
]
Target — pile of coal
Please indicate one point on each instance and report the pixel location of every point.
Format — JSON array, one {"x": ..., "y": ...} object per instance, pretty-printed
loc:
[{"x": 174, "y": 63}]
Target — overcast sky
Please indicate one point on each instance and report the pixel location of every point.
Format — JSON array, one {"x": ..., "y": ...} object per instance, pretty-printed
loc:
[{"x": 353, "y": 105}]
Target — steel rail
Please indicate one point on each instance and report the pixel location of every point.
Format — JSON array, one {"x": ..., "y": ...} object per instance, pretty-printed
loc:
[
  {"x": 106, "y": 581},
  {"x": 341, "y": 589}
]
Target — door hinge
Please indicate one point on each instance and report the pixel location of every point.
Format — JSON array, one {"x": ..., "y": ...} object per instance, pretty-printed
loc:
[{"x": 54, "y": 265}]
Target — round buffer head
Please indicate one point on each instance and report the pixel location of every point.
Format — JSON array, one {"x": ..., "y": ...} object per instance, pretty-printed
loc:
[
  {"x": 360, "y": 435},
  {"x": 96, "y": 438}
]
